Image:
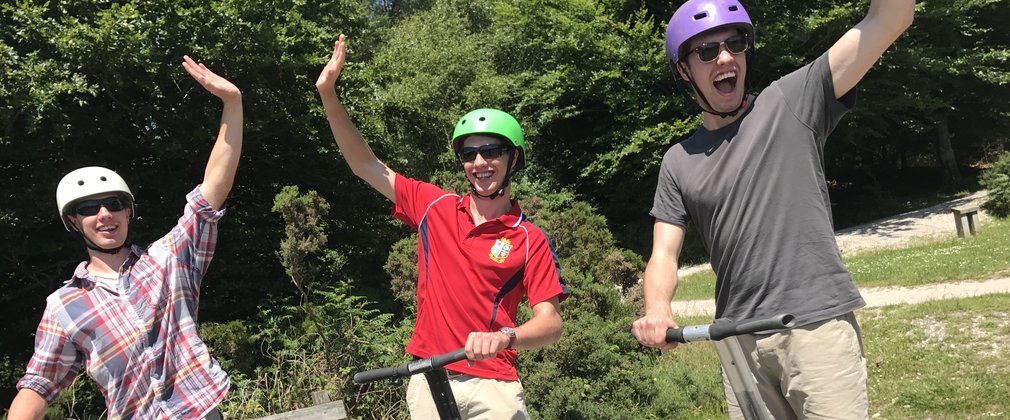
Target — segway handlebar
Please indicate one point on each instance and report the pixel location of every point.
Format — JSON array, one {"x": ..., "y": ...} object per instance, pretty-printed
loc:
[
  {"x": 409, "y": 368},
  {"x": 721, "y": 329}
]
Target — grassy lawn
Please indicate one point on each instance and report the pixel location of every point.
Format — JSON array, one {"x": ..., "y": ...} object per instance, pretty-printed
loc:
[
  {"x": 984, "y": 256},
  {"x": 937, "y": 360}
]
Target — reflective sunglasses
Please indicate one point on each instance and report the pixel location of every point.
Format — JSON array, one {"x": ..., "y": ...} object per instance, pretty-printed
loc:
[
  {"x": 487, "y": 151},
  {"x": 709, "y": 51},
  {"x": 92, "y": 207}
]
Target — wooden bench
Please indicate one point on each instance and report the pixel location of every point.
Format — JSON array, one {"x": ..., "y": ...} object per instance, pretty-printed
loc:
[
  {"x": 322, "y": 408},
  {"x": 962, "y": 213}
]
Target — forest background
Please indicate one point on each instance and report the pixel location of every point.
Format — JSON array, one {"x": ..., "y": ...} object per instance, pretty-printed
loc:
[{"x": 312, "y": 280}]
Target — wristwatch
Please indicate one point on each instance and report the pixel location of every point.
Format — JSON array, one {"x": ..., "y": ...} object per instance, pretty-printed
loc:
[{"x": 510, "y": 333}]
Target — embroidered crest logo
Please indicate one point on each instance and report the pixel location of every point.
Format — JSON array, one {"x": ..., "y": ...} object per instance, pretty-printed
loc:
[{"x": 500, "y": 250}]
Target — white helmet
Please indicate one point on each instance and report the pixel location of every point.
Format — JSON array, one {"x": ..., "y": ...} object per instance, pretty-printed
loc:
[{"x": 85, "y": 182}]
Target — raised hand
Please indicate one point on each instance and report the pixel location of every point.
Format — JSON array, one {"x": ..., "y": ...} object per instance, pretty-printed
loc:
[
  {"x": 328, "y": 78},
  {"x": 214, "y": 84}
]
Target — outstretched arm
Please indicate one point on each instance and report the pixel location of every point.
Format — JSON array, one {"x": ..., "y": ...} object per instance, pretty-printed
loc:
[
  {"x": 356, "y": 152},
  {"x": 856, "y": 51},
  {"x": 219, "y": 176},
  {"x": 659, "y": 286}
]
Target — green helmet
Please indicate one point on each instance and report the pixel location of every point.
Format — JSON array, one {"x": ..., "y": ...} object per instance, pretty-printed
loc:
[{"x": 494, "y": 122}]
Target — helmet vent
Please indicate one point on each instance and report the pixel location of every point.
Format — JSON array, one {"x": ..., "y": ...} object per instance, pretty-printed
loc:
[
  {"x": 481, "y": 118},
  {"x": 81, "y": 182},
  {"x": 732, "y": 8},
  {"x": 701, "y": 16},
  {"x": 103, "y": 179}
]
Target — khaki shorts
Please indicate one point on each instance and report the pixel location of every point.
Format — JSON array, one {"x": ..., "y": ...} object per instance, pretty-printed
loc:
[
  {"x": 477, "y": 398},
  {"x": 816, "y": 371}
]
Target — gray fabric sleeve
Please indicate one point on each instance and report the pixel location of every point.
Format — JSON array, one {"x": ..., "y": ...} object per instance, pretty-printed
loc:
[
  {"x": 668, "y": 203},
  {"x": 810, "y": 95}
]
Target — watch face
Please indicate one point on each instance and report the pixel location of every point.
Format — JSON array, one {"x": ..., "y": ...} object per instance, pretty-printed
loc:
[{"x": 508, "y": 331}]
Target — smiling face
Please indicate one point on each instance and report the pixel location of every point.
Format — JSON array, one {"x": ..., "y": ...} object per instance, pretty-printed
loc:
[
  {"x": 107, "y": 228},
  {"x": 486, "y": 174},
  {"x": 721, "y": 80}
]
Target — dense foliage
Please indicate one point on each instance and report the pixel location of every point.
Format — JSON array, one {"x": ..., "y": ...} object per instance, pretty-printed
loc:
[
  {"x": 295, "y": 300},
  {"x": 997, "y": 180}
]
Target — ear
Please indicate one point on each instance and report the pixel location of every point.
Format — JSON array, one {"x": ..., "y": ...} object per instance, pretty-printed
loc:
[
  {"x": 684, "y": 71},
  {"x": 72, "y": 221},
  {"x": 515, "y": 158}
]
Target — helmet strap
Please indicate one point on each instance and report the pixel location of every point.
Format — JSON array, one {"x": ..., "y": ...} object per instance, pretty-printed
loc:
[
  {"x": 707, "y": 107},
  {"x": 88, "y": 243}
]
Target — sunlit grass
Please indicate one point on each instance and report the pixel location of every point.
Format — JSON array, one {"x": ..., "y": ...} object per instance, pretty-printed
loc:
[
  {"x": 984, "y": 256},
  {"x": 939, "y": 360},
  {"x": 936, "y": 360}
]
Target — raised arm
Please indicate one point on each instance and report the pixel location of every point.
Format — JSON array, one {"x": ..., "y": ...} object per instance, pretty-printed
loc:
[
  {"x": 660, "y": 286},
  {"x": 856, "y": 51},
  {"x": 219, "y": 176},
  {"x": 356, "y": 152}
]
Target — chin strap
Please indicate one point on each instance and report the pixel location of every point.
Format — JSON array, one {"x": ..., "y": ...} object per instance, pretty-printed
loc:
[
  {"x": 508, "y": 177},
  {"x": 91, "y": 245},
  {"x": 743, "y": 104},
  {"x": 707, "y": 108}
]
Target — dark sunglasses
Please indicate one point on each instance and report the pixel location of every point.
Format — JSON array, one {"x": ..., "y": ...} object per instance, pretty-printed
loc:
[
  {"x": 92, "y": 207},
  {"x": 709, "y": 51},
  {"x": 487, "y": 151}
]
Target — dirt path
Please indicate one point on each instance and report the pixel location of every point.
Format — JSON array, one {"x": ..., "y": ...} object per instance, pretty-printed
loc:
[{"x": 892, "y": 232}]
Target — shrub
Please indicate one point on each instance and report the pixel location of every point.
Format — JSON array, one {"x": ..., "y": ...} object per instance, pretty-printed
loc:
[{"x": 997, "y": 180}]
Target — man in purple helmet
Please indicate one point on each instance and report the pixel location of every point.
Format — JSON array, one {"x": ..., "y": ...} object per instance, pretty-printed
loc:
[{"x": 752, "y": 180}]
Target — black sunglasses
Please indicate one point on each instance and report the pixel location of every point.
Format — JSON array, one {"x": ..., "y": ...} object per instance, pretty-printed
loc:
[
  {"x": 487, "y": 151},
  {"x": 92, "y": 207},
  {"x": 709, "y": 51}
]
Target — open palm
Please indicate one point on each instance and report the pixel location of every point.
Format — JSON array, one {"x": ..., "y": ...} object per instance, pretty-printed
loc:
[
  {"x": 214, "y": 84},
  {"x": 328, "y": 78}
]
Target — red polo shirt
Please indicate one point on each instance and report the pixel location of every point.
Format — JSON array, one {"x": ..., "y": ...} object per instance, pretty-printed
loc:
[{"x": 472, "y": 278}]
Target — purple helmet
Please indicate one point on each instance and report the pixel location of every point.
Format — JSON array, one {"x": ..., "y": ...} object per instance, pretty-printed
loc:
[{"x": 697, "y": 16}]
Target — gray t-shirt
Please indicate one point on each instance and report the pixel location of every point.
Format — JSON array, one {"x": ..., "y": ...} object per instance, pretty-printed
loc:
[{"x": 756, "y": 191}]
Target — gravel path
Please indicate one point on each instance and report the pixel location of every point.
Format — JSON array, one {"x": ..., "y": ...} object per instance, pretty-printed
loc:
[{"x": 892, "y": 232}]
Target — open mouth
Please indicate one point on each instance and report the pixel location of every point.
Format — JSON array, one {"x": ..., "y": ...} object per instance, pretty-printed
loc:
[{"x": 725, "y": 83}]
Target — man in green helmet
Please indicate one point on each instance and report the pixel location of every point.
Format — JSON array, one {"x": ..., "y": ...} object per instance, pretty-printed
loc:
[{"x": 477, "y": 257}]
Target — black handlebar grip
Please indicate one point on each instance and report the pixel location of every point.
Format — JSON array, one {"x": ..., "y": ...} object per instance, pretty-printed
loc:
[
  {"x": 675, "y": 334},
  {"x": 451, "y": 357},
  {"x": 719, "y": 331},
  {"x": 410, "y": 368},
  {"x": 373, "y": 375}
]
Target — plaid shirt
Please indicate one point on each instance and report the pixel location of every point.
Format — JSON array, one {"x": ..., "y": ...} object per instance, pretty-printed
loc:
[{"x": 137, "y": 339}]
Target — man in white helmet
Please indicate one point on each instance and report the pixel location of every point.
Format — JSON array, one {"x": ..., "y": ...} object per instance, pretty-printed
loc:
[{"x": 128, "y": 315}]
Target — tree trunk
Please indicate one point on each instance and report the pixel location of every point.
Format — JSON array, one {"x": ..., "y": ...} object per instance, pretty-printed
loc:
[{"x": 945, "y": 152}]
